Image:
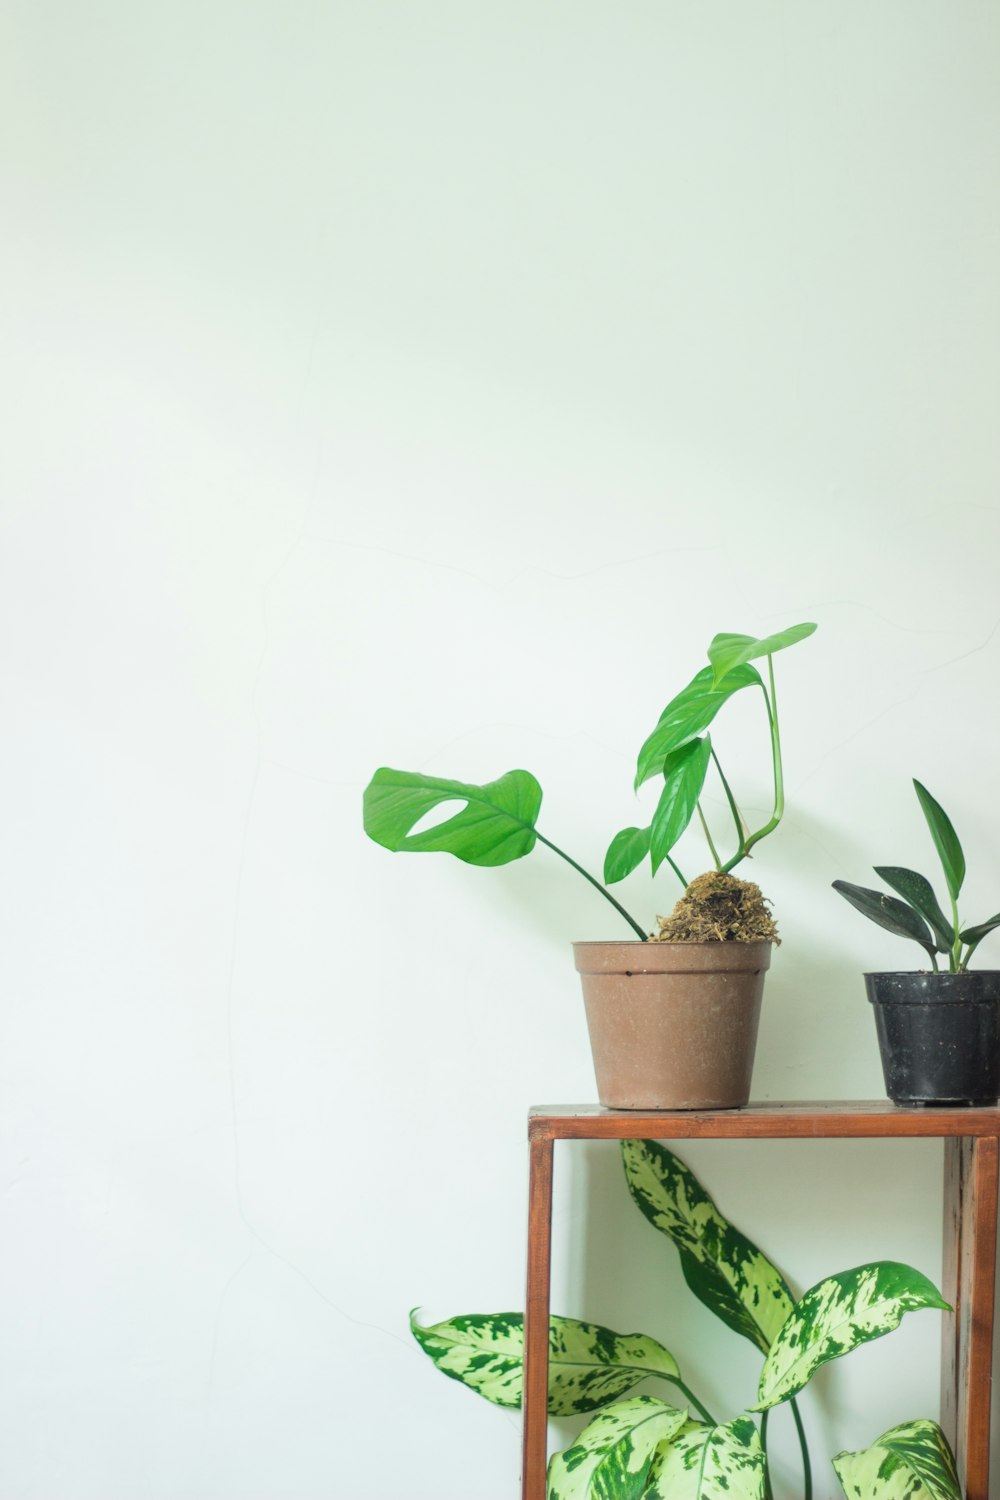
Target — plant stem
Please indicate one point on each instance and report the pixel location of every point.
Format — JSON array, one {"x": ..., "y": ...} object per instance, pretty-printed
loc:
[
  {"x": 768, "y": 1492},
  {"x": 748, "y": 841},
  {"x": 955, "y": 956},
  {"x": 737, "y": 815},
  {"x": 595, "y": 883},
  {"x": 690, "y": 1396},
  {"x": 708, "y": 835},
  {"x": 677, "y": 872},
  {"x": 779, "y": 775},
  {"x": 807, "y": 1481}
]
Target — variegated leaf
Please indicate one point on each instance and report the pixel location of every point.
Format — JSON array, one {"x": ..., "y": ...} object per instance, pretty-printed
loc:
[
  {"x": 588, "y": 1365},
  {"x": 611, "y": 1458},
  {"x": 722, "y": 1267},
  {"x": 910, "y": 1462},
  {"x": 709, "y": 1463},
  {"x": 836, "y": 1316}
]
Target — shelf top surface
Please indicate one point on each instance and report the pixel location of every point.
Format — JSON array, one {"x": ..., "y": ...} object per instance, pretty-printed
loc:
[{"x": 773, "y": 1118}]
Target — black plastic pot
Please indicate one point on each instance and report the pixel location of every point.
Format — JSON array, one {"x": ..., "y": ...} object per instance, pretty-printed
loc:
[{"x": 939, "y": 1035}]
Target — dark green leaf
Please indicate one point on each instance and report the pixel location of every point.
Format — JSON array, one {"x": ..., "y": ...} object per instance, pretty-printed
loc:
[
  {"x": 975, "y": 935},
  {"x": 729, "y": 651},
  {"x": 684, "y": 777},
  {"x": 895, "y": 916},
  {"x": 945, "y": 839},
  {"x": 496, "y": 825},
  {"x": 724, "y": 1269},
  {"x": 626, "y": 852},
  {"x": 712, "y": 1286},
  {"x": 688, "y": 715},
  {"x": 917, "y": 890}
]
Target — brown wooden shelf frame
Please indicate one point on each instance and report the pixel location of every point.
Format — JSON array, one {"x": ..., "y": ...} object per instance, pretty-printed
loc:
[{"x": 972, "y": 1153}]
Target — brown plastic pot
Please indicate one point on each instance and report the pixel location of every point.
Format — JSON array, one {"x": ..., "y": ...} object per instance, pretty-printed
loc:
[{"x": 673, "y": 1025}]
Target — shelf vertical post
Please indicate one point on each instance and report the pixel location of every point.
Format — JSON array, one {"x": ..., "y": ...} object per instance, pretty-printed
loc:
[
  {"x": 536, "y": 1319},
  {"x": 970, "y": 1244}
]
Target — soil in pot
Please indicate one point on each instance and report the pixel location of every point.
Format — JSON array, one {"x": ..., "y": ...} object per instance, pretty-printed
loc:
[
  {"x": 718, "y": 908},
  {"x": 939, "y": 1036}
]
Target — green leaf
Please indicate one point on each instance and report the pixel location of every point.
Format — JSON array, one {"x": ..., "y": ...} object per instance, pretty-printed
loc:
[
  {"x": 730, "y": 651},
  {"x": 688, "y": 715},
  {"x": 724, "y": 1270},
  {"x": 975, "y": 935},
  {"x": 945, "y": 839},
  {"x": 611, "y": 1458},
  {"x": 895, "y": 916},
  {"x": 626, "y": 852},
  {"x": 836, "y": 1316},
  {"x": 588, "y": 1365},
  {"x": 917, "y": 890},
  {"x": 496, "y": 825},
  {"x": 710, "y": 1463},
  {"x": 684, "y": 777},
  {"x": 910, "y": 1462}
]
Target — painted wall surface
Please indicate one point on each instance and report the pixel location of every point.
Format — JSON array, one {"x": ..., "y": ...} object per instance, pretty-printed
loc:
[{"x": 424, "y": 384}]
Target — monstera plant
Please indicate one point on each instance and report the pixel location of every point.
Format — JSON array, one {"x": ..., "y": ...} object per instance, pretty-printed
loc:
[
  {"x": 666, "y": 1032},
  {"x": 646, "y": 1447},
  {"x": 499, "y": 820}
]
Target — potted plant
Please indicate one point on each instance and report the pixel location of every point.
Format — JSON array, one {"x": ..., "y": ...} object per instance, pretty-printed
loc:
[
  {"x": 672, "y": 1014},
  {"x": 643, "y": 1447},
  {"x": 938, "y": 1030}
]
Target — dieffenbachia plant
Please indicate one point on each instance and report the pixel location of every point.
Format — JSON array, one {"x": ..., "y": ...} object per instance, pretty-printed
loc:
[
  {"x": 644, "y": 1447},
  {"x": 918, "y": 915},
  {"x": 498, "y": 822}
]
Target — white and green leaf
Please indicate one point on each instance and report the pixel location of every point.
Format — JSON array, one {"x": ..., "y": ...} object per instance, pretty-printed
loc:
[
  {"x": 496, "y": 825},
  {"x": 725, "y": 1270},
  {"x": 589, "y": 1365},
  {"x": 705, "y": 1462},
  {"x": 612, "y": 1457},
  {"x": 836, "y": 1316},
  {"x": 910, "y": 1462}
]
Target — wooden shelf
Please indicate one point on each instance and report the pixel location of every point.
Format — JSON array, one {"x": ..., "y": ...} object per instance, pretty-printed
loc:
[{"x": 972, "y": 1154}]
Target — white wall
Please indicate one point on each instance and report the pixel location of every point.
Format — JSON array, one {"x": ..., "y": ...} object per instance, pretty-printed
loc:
[{"x": 424, "y": 384}]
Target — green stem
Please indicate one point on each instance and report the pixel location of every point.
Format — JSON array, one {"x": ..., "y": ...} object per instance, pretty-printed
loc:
[
  {"x": 779, "y": 775},
  {"x": 955, "y": 956},
  {"x": 737, "y": 815},
  {"x": 595, "y": 883},
  {"x": 690, "y": 1396},
  {"x": 708, "y": 835},
  {"x": 768, "y": 1492},
  {"x": 807, "y": 1481},
  {"x": 677, "y": 872}
]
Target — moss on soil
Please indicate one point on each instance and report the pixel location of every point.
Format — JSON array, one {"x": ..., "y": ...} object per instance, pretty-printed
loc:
[{"x": 718, "y": 908}]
